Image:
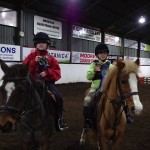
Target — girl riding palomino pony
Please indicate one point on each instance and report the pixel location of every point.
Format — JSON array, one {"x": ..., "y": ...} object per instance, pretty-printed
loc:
[
  {"x": 26, "y": 106},
  {"x": 120, "y": 94}
]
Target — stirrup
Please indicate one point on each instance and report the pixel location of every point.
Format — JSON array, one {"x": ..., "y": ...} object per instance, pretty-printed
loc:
[{"x": 88, "y": 124}]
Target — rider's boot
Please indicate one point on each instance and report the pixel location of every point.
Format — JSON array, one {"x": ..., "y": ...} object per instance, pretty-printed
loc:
[
  {"x": 62, "y": 124},
  {"x": 87, "y": 118}
]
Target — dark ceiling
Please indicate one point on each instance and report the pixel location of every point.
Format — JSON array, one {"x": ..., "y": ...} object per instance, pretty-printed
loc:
[{"x": 119, "y": 17}]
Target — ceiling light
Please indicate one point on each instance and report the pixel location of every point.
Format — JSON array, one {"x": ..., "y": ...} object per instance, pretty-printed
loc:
[{"x": 142, "y": 19}]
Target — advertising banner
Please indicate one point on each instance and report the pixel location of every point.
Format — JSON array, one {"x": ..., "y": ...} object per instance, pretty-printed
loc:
[
  {"x": 61, "y": 56},
  {"x": 87, "y": 58},
  {"x": 112, "y": 40},
  {"x": 87, "y": 34},
  {"x": 9, "y": 52},
  {"x": 51, "y": 27},
  {"x": 8, "y": 17},
  {"x": 81, "y": 57},
  {"x": 130, "y": 43},
  {"x": 147, "y": 48}
]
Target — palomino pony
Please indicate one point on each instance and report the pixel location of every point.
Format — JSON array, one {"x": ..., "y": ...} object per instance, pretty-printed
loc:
[
  {"x": 120, "y": 91},
  {"x": 25, "y": 106}
]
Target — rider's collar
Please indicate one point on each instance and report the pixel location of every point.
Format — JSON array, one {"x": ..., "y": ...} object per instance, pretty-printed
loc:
[{"x": 102, "y": 62}]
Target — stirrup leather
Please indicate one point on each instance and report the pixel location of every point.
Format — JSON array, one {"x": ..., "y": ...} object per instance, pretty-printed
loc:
[{"x": 88, "y": 124}]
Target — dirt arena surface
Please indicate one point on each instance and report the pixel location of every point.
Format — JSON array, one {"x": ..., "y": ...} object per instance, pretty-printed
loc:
[{"x": 137, "y": 136}]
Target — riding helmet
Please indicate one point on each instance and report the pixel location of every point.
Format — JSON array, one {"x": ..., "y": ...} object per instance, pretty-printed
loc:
[
  {"x": 101, "y": 48},
  {"x": 41, "y": 37}
]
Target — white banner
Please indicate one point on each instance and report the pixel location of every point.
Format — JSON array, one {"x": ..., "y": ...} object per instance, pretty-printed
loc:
[
  {"x": 51, "y": 27},
  {"x": 143, "y": 46},
  {"x": 112, "y": 40},
  {"x": 80, "y": 57},
  {"x": 130, "y": 43},
  {"x": 9, "y": 52},
  {"x": 114, "y": 57},
  {"x": 61, "y": 56},
  {"x": 86, "y": 58},
  {"x": 8, "y": 17},
  {"x": 87, "y": 34}
]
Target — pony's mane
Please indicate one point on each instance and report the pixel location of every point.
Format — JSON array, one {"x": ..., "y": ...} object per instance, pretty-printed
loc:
[{"x": 130, "y": 66}]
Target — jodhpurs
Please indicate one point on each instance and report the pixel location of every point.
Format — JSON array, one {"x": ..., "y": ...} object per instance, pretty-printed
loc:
[
  {"x": 89, "y": 97},
  {"x": 59, "y": 97}
]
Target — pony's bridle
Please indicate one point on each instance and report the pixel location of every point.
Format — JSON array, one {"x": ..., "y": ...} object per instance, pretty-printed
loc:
[
  {"x": 123, "y": 97},
  {"x": 21, "y": 112},
  {"x": 122, "y": 101}
]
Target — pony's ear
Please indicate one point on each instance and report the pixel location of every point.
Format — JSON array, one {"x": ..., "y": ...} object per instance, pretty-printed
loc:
[
  {"x": 4, "y": 66},
  {"x": 120, "y": 65},
  {"x": 137, "y": 61}
]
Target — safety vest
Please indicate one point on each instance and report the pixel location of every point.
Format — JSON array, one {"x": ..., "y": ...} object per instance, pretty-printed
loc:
[{"x": 101, "y": 75}]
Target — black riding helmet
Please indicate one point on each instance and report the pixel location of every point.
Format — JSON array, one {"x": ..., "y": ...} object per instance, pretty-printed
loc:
[
  {"x": 101, "y": 48},
  {"x": 41, "y": 37}
]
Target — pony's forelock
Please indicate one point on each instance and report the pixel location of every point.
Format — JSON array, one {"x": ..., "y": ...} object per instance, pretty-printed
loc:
[{"x": 130, "y": 66}]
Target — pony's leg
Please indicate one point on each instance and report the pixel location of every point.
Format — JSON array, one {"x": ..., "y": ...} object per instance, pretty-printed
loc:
[
  {"x": 118, "y": 144},
  {"x": 45, "y": 146},
  {"x": 25, "y": 146},
  {"x": 83, "y": 137},
  {"x": 103, "y": 143}
]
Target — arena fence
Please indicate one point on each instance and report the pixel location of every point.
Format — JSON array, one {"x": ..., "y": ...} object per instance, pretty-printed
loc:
[{"x": 144, "y": 80}]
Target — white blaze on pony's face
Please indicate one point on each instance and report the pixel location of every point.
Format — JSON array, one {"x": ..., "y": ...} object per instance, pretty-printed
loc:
[
  {"x": 133, "y": 85},
  {"x": 9, "y": 87}
]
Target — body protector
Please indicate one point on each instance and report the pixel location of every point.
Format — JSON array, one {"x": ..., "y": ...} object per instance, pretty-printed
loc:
[{"x": 100, "y": 75}]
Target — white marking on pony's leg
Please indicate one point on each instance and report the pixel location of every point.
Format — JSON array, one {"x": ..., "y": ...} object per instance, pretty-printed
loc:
[
  {"x": 98, "y": 142},
  {"x": 82, "y": 139},
  {"x": 87, "y": 101},
  {"x": 9, "y": 87},
  {"x": 133, "y": 85},
  {"x": 1, "y": 81}
]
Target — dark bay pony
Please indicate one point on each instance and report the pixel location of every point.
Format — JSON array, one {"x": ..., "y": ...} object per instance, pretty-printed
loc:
[
  {"x": 120, "y": 90},
  {"x": 25, "y": 106}
]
